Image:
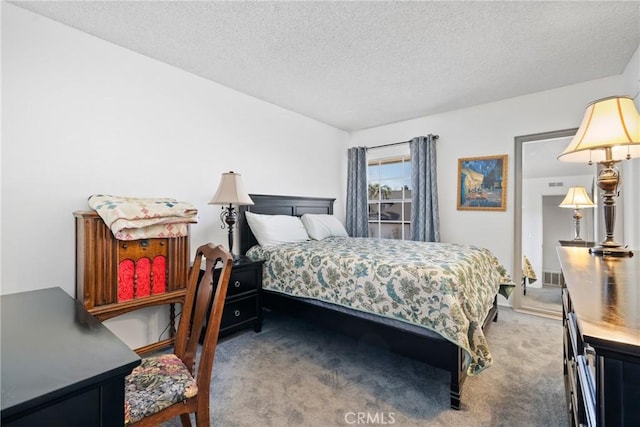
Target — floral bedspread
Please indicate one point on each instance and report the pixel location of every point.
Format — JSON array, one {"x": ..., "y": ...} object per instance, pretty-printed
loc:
[{"x": 447, "y": 288}]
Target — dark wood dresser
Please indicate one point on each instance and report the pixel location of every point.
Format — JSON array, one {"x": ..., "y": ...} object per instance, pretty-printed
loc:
[{"x": 601, "y": 317}]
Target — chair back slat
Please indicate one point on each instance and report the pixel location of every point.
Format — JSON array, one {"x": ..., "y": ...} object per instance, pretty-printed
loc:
[
  {"x": 182, "y": 334},
  {"x": 198, "y": 299},
  {"x": 214, "y": 322}
]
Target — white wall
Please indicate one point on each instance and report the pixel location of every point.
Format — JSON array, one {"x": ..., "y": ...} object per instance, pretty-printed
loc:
[
  {"x": 630, "y": 169},
  {"x": 533, "y": 191},
  {"x": 82, "y": 116},
  {"x": 556, "y": 220},
  {"x": 484, "y": 130}
]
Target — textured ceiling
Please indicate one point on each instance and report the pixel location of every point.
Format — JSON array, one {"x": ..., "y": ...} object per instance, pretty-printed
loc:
[{"x": 355, "y": 65}]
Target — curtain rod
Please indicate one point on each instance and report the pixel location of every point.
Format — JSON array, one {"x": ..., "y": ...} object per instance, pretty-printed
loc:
[{"x": 395, "y": 143}]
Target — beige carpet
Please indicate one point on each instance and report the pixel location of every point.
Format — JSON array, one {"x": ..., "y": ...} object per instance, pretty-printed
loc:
[
  {"x": 548, "y": 298},
  {"x": 294, "y": 374}
]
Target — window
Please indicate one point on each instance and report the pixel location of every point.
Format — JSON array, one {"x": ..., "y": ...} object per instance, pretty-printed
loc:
[{"x": 389, "y": 184}]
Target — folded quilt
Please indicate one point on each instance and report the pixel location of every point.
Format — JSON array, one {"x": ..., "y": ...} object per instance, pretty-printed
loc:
[{"x": 134, "y": 218}]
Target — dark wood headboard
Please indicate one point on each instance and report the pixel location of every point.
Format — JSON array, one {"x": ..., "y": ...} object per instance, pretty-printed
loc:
[{"x": 278, "y": 205}]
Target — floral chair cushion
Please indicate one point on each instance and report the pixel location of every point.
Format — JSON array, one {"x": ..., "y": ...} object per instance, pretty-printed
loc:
[{"x": 156, "y": 384}]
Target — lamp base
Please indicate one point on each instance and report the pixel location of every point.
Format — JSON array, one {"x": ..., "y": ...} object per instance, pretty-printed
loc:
[{"x": 605, "y": 251}]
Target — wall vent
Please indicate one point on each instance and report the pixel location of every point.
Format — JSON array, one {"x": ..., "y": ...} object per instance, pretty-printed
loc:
[
  {"x": 553, "y": 278},
  {"x": 556, "y": 184}
]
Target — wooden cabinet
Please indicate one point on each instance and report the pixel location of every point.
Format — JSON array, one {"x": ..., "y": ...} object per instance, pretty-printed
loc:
[
  {"x": 601, "y": 318},
  {"x": 243, "y": 305},
  {"x": 114, "y": 277}
]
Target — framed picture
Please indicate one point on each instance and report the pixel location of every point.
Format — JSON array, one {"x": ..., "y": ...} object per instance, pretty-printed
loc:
[{"x": 482, "y": 183}]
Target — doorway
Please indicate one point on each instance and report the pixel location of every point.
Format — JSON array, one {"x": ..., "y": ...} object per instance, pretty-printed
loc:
[{"x": 557, "y": 226}]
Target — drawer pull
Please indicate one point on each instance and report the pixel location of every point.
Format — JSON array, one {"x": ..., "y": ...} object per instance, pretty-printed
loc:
[
  {"x": 236, "y": 313},
  {"x": 236, "y": 284}
]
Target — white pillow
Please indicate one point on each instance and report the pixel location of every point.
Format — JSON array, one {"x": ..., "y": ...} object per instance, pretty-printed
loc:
[
  {"x": 271, "y": 230},
  {"x": 320, "y": 226}
]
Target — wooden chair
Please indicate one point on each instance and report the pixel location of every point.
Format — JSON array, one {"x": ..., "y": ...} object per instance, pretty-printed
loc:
[{"x": 166, "y": 386}]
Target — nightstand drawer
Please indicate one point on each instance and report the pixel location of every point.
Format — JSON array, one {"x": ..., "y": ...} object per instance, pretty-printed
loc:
[
  {"x": 242, "y": 307},
  {"x": 242, "y": 281},
  {"x": 239, "y": 311}
]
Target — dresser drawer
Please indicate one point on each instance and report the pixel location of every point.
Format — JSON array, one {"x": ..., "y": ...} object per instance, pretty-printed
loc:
[
  {"x": 575, "y": 340},
  {"x": 575, "y": 407},
  {"x": 566, "y": 302},
  {"x": 239, "y": 311},
  {"x": 587, "y": 388},
  {"x": 242, "y": 281}
]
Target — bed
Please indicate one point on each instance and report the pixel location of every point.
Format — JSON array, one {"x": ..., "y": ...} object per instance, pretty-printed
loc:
[{"x": 437, "y": 338}]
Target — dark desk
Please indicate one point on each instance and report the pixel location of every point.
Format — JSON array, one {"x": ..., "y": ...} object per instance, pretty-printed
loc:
[{"x": 60, "y": 365}]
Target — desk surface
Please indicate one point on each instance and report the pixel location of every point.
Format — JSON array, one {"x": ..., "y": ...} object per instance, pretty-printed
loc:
[
  {"x": 51, "y": 346},
  {"x": 605, "y": 293}
]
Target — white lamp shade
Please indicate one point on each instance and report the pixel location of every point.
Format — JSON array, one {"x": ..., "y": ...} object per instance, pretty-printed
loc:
[
  {"x": 577, "y": 198},
  {"x": 231, "y": 191},
  {"x": 612, "y": 123}
]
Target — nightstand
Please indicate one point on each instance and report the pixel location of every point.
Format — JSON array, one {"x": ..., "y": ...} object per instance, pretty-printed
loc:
[{"x": 243, "y": 306}]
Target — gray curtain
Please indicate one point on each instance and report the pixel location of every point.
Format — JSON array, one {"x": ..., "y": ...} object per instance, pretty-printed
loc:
[
  {"x": 425, "y": 223},
  {"x": 357, "y": 210}
]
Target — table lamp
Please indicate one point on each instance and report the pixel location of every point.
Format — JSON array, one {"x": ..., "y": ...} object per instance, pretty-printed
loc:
[
  {"x": 577, "y": 199},
  {"x": 230, "y": 192},
  {"x": 609, "y": 133}
]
